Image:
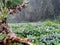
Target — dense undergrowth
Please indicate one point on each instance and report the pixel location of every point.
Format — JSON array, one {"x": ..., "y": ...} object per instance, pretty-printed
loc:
[{"x": 45, "y": 33}]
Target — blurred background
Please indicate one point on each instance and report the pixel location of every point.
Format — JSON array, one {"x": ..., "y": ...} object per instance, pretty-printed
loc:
[{"x": 38, "y": 10}]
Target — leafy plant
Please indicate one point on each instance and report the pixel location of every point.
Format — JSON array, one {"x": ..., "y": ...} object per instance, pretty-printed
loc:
[
  {"x": 6, "y": 5},
  {"x": 48, "y": 33}
]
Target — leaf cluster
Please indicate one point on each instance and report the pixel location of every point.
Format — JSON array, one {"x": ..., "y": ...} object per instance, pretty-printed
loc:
[{"x": 46, "y": 33}]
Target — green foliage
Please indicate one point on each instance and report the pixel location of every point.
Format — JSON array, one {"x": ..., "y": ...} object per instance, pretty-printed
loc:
[
  {"x": 2, "y": 36},
  {"x": 46, "y": 33},
  {"x": 5, "y": 6},
  {"x": 12, "y": 3}
]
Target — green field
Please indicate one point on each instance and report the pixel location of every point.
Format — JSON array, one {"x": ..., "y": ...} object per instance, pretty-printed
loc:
[{"x": 39, "y": 33}]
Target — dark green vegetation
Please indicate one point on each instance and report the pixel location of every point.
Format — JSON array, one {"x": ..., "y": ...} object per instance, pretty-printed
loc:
[
  {"x": 13, "y": 3},
  {"x": 10, "y": 3},
  {"x": 46, "y": 33}
]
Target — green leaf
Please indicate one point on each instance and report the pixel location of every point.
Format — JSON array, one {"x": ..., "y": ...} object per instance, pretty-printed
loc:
[{"x": 13, "y": 3}]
